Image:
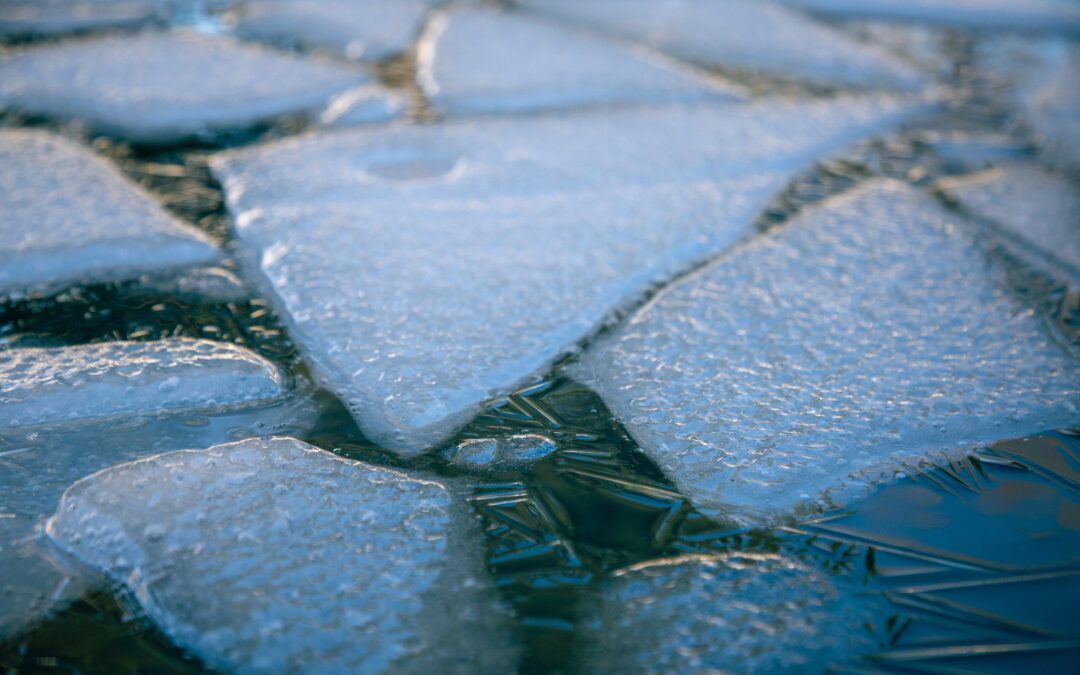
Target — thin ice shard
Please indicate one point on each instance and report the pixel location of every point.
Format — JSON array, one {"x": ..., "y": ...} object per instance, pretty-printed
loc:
[
  {"x": 427, "y": 269},
  {"x": 1025, "y": 15},
  {"x": 470, "y": 63},
  {"x": 50, "y": 17},
  {"x": 745, "y": 35},
  {"x": 869, "y": 329},
  {"x": 270, "y": 554},
  {"x": 68, "y": 216}
]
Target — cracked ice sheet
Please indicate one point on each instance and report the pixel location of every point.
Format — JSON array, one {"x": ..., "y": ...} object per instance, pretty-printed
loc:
[
  {"x": 163, "y": 87},
  {"x": 38, "y": 463},
  {"x": 270, "y": 554},
  {"x": 1030, "y": 15},
  {"x": 870, "y": 329},
  {"x": 424, "y": 270},
  {"x": 67, "y": 215},
  {"x": 1040, "y": 208},
  {"x": 741, "y": 34},
  {"x": 741, "y": 612},
  {"x": 470, "y": 62},
  {"x": 367, "y": 30},
  {"x": 117, "y": 379}
]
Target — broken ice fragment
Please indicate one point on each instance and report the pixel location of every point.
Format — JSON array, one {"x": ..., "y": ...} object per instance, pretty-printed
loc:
[
  {"x": 426, "y": 269},
  {"x": 67, "y": 216},
  {"x": 1026, "y": 15},
  {"x": 871, "y": 328},
  {"x": 518, "y": 451},
  {"x": 470, "y": 62},
  {"x": 367, "y": 30},
  {"x": 1035, "y": 208},
  {"x": 270, "y": 554},
  {"x": 741, "y": 35},
  {"x": 162, "y": 87},
  {"x": 49, "y": 17},
  {"x": 741, "y": 612},
  {"x": 115, "y": 379}
]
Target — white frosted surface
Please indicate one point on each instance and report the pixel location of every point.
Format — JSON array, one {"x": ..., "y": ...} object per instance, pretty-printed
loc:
[
  {"x": 66, "y": 216},
  {"x": 739, "y": 613},
  {"x": 740, "y": 34},
  {"x": 114, "y": 379},
  {"x": 426, "y": 269},
  {"x": 1040, "y": 208},
  {"x": 273, "y": 555},
  {"x": 487, "y": 60},
  {"x": 47, "y": 17},
  {"x": 1035, "y": 15},
  {"x": 167, "y": 86},
  {"x": 368, "y": 30},
  {"x": 870, "y": 328}
]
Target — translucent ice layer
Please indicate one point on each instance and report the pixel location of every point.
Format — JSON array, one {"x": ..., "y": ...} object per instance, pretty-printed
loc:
[
  {"x": 426, "y": 269},
  {"x": 1033, "y": 15},
  {"x": 270, "y": 554},
  {"x": 165, "y": 87},
  {"x": 68, "y": 216},
  {"x": 471, "y": 62},
  {"x": 871, "y": 328},
  {"x": 742, "y": 35},
  {"x": 116, "y": 379}
]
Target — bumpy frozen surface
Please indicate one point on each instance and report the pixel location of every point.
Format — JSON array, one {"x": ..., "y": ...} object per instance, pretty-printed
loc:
[
  {"x": 66, "y": 215},
  {"x": 426, "y": 269},
  {"x": 1040, "y": 208},
  {"x": 736, "y": 613},
  {"x": 369, "y": 30},
  {"x": 163, "y": 87},
  {"x": 740, "y": 34},
  {"x": 870, "y": 327},
  {"x": 1041, "y": 15},
  {"x": 471, "y": 62},
  {"x": 270, "y": 554},
  {"x": 113, "y": 379},
  {"x": 46, "y": 17}
]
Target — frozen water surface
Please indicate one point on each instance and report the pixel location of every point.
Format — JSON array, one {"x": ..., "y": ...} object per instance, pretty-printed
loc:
[
  {"x": 66, "y": 215},
  {"x": 871, "y": 328},
  {"x": 270, "y": 554},
  {"x": 746, "y": 612},
  {"x": 368, "y": 30},
  {"x": 115, "y": 379},
  {"x": 47, "y": 17},
  {"x": 740, "y": 34},
  {"x": 425, "y": 269},
  {"x": 471, "y": 62},
  {"x": 1040, "y": 208},
  {"x": 517, "y": 451},
  {"x": 1033, "y": 15},
  {"x": 167, "y": 87}
]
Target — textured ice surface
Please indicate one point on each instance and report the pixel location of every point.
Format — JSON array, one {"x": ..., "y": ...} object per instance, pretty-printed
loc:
[
  {"x": 164, "y": 87},
  {"x": 270, "y": 554},
  {"x": 1037, "y": 15},
  {"x": 114, "y": 379},
  {"x": 740, "y": 34},
  {"x": 46, "y": 17},
  {"x": 426, "y": 269},
  {"x": 206, "y": 284},
  {"x": 1040, "y": 208},
  {"x": 66, "y": 215},
  {"x": 871, "y": 327},
  {"x": 369, "y": 30},
  {"x": 472, "y": 61},
  {"x": 735, "y": 613},
  {"x": 505, "y": 452},
  {"x": 37, "y": 464}
]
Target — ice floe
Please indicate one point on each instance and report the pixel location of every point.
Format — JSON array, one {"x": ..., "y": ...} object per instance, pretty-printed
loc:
[
  {"x": 742, "y": 612},
  {"x": 1040, "y": 208},
  {"x": 367, "y": 30},
  {"x": 426, "y": 269},
  {"x": 1030, "y": 15},
  {"x": 872, "y": 328},
  {"x": 116, "y": 379},
  {"x": 161, "y": 87},
  {"x": 745, "y": 35},
  {"x": 471, "y": 62},
  {"x": 67, "y": 216},
  {"x": 270, "y": 554},
  {"x": 48, "y": 17}
]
